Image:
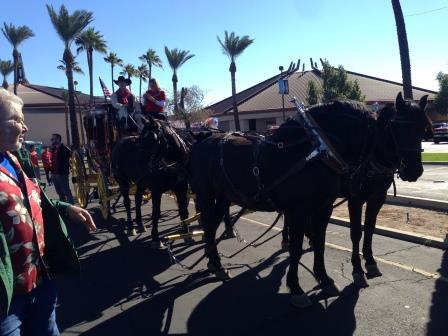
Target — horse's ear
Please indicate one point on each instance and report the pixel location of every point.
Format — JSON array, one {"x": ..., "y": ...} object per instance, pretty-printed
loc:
[
  {"x": 399, "y": 102},
  {"x": 423, "y": 101}
]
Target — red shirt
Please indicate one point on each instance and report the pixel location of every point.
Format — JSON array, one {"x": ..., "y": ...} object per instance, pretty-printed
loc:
[
  {"x": 151, "y": 106},
  {"x": 22, "y": 220},
  {"x": 46, "y": 158},
  {"x": 34, "y": 158}
]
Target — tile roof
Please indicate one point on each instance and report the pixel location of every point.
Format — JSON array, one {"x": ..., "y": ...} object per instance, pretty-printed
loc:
[{"x": 265, "y": 97}]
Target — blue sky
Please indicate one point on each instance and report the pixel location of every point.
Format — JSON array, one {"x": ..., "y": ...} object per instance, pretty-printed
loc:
[{"x": 360, "y": 35}]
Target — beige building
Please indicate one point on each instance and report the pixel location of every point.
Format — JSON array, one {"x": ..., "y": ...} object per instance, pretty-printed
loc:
[
  {"x": 260, "y": 106},
  {"x": 45, "y": 111}
]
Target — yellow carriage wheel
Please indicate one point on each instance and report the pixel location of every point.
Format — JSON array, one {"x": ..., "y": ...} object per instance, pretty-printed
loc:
[
  {"x": 79, "y": 179},
  {"x": 103, "y": 194}
]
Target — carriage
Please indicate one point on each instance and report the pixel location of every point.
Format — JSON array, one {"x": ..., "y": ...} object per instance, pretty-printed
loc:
[{"x": 91, "y": 166}]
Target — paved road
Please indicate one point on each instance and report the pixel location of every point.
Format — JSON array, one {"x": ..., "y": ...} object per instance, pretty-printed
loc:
[
  {"x": 129, "y": 289},
  {"x": 432, "y": 184}
]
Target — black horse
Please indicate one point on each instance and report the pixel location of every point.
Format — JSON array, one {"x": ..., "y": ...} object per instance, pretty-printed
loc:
[
  {"x": 154, "y": 160},
  {"x": 398, "y": 148},
  {"x": 283, "y": 174}
]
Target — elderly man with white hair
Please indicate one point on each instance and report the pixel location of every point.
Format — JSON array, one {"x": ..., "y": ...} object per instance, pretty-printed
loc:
[{"x": 34, "y": 244}]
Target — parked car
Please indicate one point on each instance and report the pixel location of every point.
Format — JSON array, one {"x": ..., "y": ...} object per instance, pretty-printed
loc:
[
  {"x": 37, "y": 146},
  {"x": 440, "y": 132}
]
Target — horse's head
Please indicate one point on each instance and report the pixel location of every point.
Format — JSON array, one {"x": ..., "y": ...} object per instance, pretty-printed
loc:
[
  {"x": 408, "y": 126},
  {"x": 151, "y": 137}
]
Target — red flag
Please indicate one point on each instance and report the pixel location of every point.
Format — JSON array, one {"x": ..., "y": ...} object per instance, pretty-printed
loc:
[{"x": 106, "y": 91}]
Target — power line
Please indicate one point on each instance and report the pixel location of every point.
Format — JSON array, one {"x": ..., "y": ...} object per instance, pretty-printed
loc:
[{"x": 426, "y": 12}]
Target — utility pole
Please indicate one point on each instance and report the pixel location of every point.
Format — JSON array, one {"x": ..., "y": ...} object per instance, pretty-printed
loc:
[{"x": 282, "y": 91}]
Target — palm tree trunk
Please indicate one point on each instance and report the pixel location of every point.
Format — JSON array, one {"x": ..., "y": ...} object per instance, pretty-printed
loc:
[
  {"x": 174, "y": 79},
  {"x": 67, "y": 129},
  {"x": 112, "y": 70},
  {"x": 5, "y": 83},
  {"x": 68, "y": 59},
  {"x": 90, "y": 65},
  {"x": 232, "y": 70},
  {"x": 15, "y": 56},
  {"x": 140, "y": 90},
  {"x": 404, "y": 49},
  {"x": 81, "y": 124},
  {"x": 150, "y": 72}
]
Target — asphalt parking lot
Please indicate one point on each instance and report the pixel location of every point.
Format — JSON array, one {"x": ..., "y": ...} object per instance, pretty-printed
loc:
[{"x": 127, "y": 288}]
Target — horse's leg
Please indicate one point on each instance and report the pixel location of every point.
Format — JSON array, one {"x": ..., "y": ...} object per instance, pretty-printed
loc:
[
  {"x": 285, "y": 235},
  {"x": 374, "y": 205},
  {"x": 319, "y": 223},
  {"x": 156, "y": 201},
  {"x": 209, "y": 214},
  {"x": 138, "y": 208},
  {"x": 355, "y": 212},
  {"x": 229, "y": 230},
  {"x": 127, "y": 205},
  {"x": 294, "y": 223},
  {"x": 181, "y": 195}
]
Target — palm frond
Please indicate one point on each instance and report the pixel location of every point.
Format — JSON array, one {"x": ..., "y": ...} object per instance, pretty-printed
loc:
[
  {"x": 16, "y": 35},
  {"x": 177, "y": 57},
  {"x": 234, "y": 45},
  {"x": 6, "y": 67},
  {"x": 69, "y": 26},
  {"x": 91, "y": 39}
]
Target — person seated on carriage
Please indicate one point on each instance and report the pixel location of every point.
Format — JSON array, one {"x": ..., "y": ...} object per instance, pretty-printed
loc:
[
  {"x": 154, "y": 101},
  {"x": 124, "y": 101}
]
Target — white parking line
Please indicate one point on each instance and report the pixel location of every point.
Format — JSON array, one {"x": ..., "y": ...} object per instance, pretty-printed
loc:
[{"x": 427, "y": 274}]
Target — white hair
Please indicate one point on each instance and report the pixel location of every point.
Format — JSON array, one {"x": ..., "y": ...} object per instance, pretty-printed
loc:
[{"x": 9, "y": 103}]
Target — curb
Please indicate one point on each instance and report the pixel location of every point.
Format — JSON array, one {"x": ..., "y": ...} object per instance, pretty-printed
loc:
[
  {"x": 435, "y": 163},
  {"x": 400, "y": 234},
  {"x": 417, "y": 202}
]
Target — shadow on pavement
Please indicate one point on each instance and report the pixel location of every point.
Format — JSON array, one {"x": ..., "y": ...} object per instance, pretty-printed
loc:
[{"x": 438, "y": 323}]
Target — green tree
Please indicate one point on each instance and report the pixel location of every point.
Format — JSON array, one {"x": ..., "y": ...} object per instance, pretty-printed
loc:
[
  {"x": 441, "y": 100},
  {"x": 233, "y": 46},
  {"x": 114, "y": 60},
  {"x": 176, "y": 58},
  {"x": 128, "y": 70},
  {"x": 404, "y": 49},
  {"x": 15, "y": 36},
  {"x": 152, "y": 59},
  {"x": 143, "y": 75},
  {"x": 69, "y": 27},
  {"x": 313, "y": 93},
  {"x": 65, "y": 99},
  {"x": 336, "y": 84},
  {"x": 89, "y": 41},
  {"x": 6, "y": 67},
  {"x": 75, "y": 67}
]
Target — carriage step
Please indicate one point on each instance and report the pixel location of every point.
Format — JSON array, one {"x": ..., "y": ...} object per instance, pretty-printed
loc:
[{"x": 177, "y": 236}]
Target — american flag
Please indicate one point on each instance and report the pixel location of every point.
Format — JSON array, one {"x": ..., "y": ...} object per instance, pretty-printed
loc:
[{"x": 105, "y": 89}]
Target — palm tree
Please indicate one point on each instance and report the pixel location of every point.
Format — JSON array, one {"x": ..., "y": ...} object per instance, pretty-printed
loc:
[
  {"x": 68, "y": 27},
  {"x": 114, "y": 60},
  {"x": 91, "y": 40},
  {"x": 76, "y": 69},
  {"x": 404, "y": 49},
  {"x": 15, "y": 36},
  {"x": 65, "y": 99},
  {"x": 143, "y": 75},
  {"x": 128, "y": 70},
  {"x": 176, "y": 58},
  {"x": 151, "y": 58},
  {"x": 233, "y": 46},
  {"x": 6, "y": 67}
]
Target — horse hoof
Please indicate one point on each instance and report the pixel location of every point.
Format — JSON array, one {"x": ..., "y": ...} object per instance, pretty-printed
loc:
[
  {"x": 331, "y": 290},
  {"x": 360, "y": 280},
  {"x": 156, "y": 245},
  {"x": 285, "y": 246},
  {"x": 229, "y": 234},
  {"x": 300, "y": 301},
  {"x": 373, "y": 271},
  {"x": 141, "y": 229},
  {"x": 131, "y": 232},
  {"x": 223, "y": 275}
]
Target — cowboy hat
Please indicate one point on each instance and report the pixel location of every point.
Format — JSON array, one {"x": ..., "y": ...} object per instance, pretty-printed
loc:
[{"x": 122, "y": 79}]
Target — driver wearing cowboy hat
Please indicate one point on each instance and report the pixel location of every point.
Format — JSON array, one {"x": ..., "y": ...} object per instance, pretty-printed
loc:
[{"x": 124, "y": 101}]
